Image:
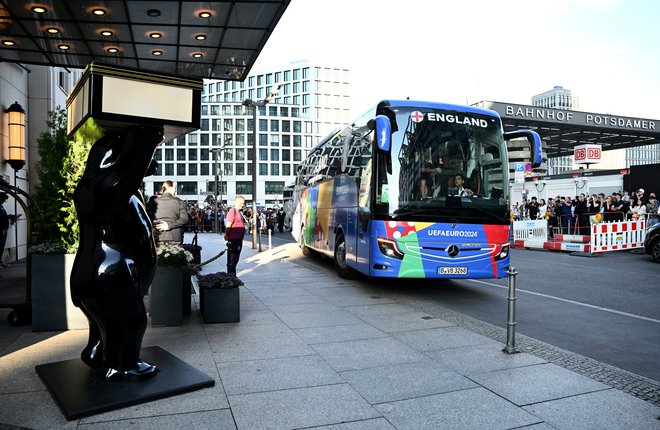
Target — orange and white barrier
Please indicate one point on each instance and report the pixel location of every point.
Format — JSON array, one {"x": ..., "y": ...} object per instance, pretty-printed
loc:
[{"x": 618, "y": 236}]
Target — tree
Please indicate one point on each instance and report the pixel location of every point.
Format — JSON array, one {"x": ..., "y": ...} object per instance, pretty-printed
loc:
[{"x": 59, "y": 169}]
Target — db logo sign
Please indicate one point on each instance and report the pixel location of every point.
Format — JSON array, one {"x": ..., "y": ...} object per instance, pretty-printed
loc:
[{"x": 587, "y": 153}]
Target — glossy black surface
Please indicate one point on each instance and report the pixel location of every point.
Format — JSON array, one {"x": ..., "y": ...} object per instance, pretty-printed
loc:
[{"x": 116, "y": 260}]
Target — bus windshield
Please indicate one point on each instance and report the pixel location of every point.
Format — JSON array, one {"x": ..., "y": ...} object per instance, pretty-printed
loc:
[{"x": 445, "y": 165}]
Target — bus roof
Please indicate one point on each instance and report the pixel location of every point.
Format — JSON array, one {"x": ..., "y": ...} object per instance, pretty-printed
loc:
[{"x": 437, "y": 105}]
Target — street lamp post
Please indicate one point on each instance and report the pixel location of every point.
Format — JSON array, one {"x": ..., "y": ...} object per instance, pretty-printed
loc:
[
  {"x": 216, "y": 157},
  {"x": 254, "y": 105}
]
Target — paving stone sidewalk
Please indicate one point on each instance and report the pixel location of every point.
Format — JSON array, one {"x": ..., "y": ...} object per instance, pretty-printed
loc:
[{"x": 315, "y": 351}]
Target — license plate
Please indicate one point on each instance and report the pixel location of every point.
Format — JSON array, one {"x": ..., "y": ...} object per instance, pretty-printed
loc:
[{"x": 452, "y": 270}]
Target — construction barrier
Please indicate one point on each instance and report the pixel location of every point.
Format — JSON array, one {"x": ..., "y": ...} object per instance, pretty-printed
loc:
[
  {"x": 618, "y": 236},
  {"x": 530, "y": 230}
]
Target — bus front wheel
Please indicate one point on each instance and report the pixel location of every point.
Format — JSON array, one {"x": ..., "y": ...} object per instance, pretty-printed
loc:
[
  {"x": 340, "y": 259},
  {"x": 305, "y": 250}
]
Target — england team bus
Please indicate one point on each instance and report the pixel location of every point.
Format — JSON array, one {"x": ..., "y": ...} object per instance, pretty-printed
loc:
[{"x": 412, "y": 190}]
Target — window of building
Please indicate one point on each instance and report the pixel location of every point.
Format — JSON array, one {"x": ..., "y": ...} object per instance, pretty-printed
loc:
[
  {"x": 192, "y": 169},
  {"x": 296, "y": 74},
  {"x": 192, "y": 154},
  {"x": 286, "y": 140},
  {"x": 205, "y": 109},
  {"x": 286, "y": 155},
  {"x": 226, "y": 109},
  {"x": 215, "y": 125},
  {"x": 263, "y": 125},
  {"x": 181, "y": 169},
  {"x": 295, "y": 112},
  {"x": 243, "y": 187},
  {"x": 274, "y": 125},
  {"x": 272, "y": 110},
  {"x": 205, "y": 125},
  {"x": 287, "y": 75},
  {"x": 286, "y": 169},
  {"x": 169, "y": 154},
  {"x": 227, "y": 125},
  {"x": 240, "y": 154},
  {"x": 274, "y": 155},
  {"x": 284, "y": 111},
  {"x": 263, "y": 155},
  {"x": 240, "y": 140},
  {"x": 240, "y": 169},
  {"x": 274, "y": 140},
  {"x": 278, "y": 77},
  {"x": 297, "y": 155},
  {"x": 228, "y": 169},
  {"x": 274, "y": 187},
  {"x": 192, "y": 139},
  {"x": 275, "y": 169},
  {"x": 186, "y": 188},
  {"x": 159, "y": 170},
  {"x": 158, "y": 154},
  {"x": 240, "y": 125},
  {"x": 305, "y": 72},
  {"x": 263, "y": 140},
  {"x": 238, "y": 109},
  {"x": 263, "y": 169},
  {"x": 204, "y": 140},
  {"x": 297, "y": 141},
  {"x": 169, "y": 169},
  {"x": 204, "y": 169},
  {"x": 204, "y": 154},
  {"x": 215, "y": 109}
]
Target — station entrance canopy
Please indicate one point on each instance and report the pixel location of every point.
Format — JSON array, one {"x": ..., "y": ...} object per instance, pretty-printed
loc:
[
  {"x": 218, "y": 40},
  {"x": 562, "y": 130}
]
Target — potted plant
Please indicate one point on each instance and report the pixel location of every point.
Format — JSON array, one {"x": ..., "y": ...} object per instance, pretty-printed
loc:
[
  {"x": 55, "y": 234},
  {"x": 166, "y": 292},
  {"x": 219, "y": 297}
]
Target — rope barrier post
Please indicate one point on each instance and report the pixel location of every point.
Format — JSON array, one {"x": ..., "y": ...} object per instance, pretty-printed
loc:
[
  {"x": 511, "y": 314},
  {"x": 270, "y": 239}
]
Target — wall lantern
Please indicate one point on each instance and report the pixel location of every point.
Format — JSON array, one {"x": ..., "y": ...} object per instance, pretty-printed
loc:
[{"x": 16, "y": 135}]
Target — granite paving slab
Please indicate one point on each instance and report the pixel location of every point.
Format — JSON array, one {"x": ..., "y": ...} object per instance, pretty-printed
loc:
[
  {"x": 19, "y": 409},
  {"x": 316, "y": 318},
  {"x": 378, "y": 309},
  {"x": 365, "y": 353},
  {"x": 604, "y": 410},
  {"x": 404, "y": 381},
  {"x": 215, "y": 419},
  {"x": 341, "y": 333},
  {"x": 539, "y": 383},
  {"x": 475, "y": 408},
  {"x": 441, "y": 338},
  {"x": 476, "y": 359},
  {"x": 276, "y": 374},
  {"x": 372, "y": 424},
  {"x": 404, "y": 321},
  {"x": 350, "y": 296},
  {"x": 300, "y": 408},
  {"x": 235, "y": 342}
]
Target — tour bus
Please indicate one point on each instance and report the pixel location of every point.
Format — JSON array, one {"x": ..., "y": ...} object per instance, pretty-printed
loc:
[{"x": 411, "y": 189}]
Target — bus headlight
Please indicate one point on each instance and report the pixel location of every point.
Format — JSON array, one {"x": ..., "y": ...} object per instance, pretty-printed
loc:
[
  {"x": 389, "y": 248},
  {"x": 504, "y": 252}
]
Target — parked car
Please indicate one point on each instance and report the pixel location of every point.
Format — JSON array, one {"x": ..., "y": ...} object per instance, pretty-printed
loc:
[{"x": 652, "y": 242}]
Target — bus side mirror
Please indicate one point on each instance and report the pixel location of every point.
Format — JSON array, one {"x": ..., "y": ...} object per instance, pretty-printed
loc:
[
  {"x": 383, "y": 132},
  {"x": 534, "y": 142}
]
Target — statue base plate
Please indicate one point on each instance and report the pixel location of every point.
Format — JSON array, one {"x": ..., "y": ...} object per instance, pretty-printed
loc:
[{"x": 79, "y": 393}]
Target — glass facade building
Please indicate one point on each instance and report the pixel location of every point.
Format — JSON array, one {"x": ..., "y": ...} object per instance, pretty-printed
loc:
[{"x": 309, "y": 102}]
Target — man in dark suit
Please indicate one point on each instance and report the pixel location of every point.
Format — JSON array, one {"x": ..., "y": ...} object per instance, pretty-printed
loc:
[
  {"x": 5, "y": 221},
  {"x": 171, "y": 215}
]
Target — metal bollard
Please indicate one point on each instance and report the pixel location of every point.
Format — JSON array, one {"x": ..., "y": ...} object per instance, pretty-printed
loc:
[
  {"x": 270, "y": 240},
  {"x": 259, "y": 238},
  {"x": 511, "y": 314}
]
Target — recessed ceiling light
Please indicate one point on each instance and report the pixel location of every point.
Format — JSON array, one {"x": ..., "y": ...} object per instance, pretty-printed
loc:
[
  {"x": 155, "y": 35},
  {"x": 63, "y": 47},
  {"x": 197, "y": 55},
  {"x": 112, "y": 50},
  {"x": 157, "y": 52},
  {"x": 53, "y": 30},
  {"x": 205, "y": 14},
  {"x": 153, "y": 13},
  {"x": 99, "y": 11},
  {"x": 200, "y": 36},
  {"x": 106, "y": 33},
  {"x": 8, "y": 42},
  {"x": 39, "y": 9}
]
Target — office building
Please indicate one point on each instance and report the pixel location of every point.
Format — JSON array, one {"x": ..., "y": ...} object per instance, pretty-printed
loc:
[{"x": 310, "y": 101}]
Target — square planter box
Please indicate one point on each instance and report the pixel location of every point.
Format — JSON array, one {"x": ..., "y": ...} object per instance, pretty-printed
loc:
[
  {"x": 52, "y": 307},
  {"x": 165, "y": 297},
  {"x": 219, "y": 305}
]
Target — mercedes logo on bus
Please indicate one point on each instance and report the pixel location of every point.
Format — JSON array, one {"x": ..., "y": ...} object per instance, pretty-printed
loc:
[{"x": 453, "y": 250}]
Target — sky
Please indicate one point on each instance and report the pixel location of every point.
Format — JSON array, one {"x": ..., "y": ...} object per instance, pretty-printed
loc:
[{"x": 464, "y": 51}]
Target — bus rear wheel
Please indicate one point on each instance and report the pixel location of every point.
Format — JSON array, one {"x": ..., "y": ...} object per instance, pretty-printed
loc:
[{"x": 340, "y": 259}]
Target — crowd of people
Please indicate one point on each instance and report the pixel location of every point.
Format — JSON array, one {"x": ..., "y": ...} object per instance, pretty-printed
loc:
[
  {"x": 575, "y": 214},
  {"x": 203, "y": 218}
]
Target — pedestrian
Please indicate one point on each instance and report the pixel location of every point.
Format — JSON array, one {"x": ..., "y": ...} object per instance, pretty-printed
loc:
[
  {"x": 171, "y": 216},
  {"x": 234, "y": 231},
  {"x": 5, "y": 221}
]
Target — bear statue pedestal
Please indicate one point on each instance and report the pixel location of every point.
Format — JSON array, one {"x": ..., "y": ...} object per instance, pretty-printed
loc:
[{"x": 79, "y": 392}]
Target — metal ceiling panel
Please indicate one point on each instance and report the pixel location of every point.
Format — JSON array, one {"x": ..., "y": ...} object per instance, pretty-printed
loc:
[{"x": 224, "y": 45}]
